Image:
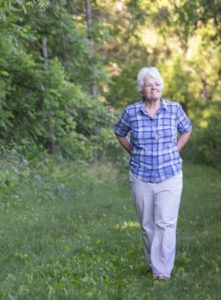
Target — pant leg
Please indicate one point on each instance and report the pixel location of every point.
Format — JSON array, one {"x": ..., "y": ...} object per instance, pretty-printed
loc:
[
  {"x": 167, "y": 195},
  {"x": 142, "y": 193}
]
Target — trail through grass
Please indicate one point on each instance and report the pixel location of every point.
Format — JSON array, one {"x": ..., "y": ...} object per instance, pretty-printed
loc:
[{"x": 67, "y": 236}]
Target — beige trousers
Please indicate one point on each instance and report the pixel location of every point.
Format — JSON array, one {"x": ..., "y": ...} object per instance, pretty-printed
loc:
[{"x": 157, "y": 206}]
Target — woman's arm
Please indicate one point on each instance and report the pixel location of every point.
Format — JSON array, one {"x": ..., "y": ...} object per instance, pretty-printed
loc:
[
  {"x": 124, "y": 143},
  {"x": 182, "y": 140}
]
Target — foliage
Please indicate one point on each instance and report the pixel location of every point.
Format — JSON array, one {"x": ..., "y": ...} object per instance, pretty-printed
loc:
[
  {"x": 162, "y": 34},
  {"x": 43, "y": 102},
  {"x": 205, "y": 144},
  {"x": 193, "y": 15},
  {"x": 49, "y": 62},
  {"x": 75, "y": 235}
]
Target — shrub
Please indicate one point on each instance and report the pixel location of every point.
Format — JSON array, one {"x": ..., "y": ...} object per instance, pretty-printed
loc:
[{"x": 205, "y": 143}]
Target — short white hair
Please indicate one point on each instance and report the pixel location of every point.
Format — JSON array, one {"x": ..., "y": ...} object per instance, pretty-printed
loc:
[{"x": 144, "y": 72}]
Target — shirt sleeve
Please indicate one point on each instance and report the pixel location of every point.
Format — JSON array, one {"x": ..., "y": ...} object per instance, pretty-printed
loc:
[
  {"x": 122, "y": 127},
  {"x": 183, "y": 122}
]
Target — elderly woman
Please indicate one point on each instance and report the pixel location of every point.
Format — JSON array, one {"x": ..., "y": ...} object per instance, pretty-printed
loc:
[{"x": 159, "y": 129}]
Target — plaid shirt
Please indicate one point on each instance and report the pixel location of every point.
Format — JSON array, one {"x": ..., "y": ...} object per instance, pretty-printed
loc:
[{"x": 154, "y": 156}]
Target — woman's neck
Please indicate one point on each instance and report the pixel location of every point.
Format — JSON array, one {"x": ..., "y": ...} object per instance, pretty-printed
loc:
[{"x": 152, "y": 105}]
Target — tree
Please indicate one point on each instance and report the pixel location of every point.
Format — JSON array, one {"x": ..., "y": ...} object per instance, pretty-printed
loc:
[{"x": 44, "y": 55}]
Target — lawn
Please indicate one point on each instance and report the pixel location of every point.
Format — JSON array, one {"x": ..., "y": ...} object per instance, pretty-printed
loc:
[{"x": 68, "y": 234}]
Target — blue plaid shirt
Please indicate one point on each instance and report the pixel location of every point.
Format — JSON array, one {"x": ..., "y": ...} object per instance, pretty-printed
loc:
[{"x": 154, "y": 156}]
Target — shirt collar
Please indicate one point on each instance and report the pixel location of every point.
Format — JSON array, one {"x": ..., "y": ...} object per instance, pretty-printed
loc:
[{"x": 163, "y": 102}]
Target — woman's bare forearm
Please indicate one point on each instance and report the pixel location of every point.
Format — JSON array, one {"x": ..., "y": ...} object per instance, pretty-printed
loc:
[
  {"x": 182, "y": 140},
  {"x": 125, "y": 143}
]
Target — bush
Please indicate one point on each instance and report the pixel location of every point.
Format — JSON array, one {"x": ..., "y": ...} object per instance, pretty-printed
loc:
[{"x": 205, "y": 143}]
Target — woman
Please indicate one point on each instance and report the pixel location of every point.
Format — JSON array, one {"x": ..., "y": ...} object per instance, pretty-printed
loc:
[{"x": 155, "y": 167}]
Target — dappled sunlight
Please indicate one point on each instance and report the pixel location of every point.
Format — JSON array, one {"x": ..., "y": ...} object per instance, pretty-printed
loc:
[
  {"x": 127, "y": 225},
  {"x": 193, "y": 46},
  {"x": 119, "y": 5},
  {"x": 114, "y": 69},
  {"x": 149, "y": 37}
]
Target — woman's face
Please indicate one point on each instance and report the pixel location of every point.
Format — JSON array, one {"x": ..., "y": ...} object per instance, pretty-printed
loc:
[{"x": 151, "y": 88}]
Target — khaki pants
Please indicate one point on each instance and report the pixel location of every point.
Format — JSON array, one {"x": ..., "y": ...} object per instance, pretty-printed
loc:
[{"x": 157, "y": 206}]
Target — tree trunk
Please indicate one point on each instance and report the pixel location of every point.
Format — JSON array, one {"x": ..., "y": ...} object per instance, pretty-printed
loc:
[
  {"x": 52, "y": 139},
  {"x": 90, "y": 41}
]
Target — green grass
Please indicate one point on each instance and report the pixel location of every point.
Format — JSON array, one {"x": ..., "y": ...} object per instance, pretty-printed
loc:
[{"x": 67, "y": 236}]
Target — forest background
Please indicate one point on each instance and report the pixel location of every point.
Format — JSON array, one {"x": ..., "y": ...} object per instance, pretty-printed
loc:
[{"x": 69, "y": 67}]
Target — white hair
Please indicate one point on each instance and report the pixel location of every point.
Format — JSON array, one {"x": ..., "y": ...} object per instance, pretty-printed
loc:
[{"x": 144, "y": 72}]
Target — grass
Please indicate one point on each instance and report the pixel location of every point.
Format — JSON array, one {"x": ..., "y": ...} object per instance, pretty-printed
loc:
[{"x": 75, "y": 235}]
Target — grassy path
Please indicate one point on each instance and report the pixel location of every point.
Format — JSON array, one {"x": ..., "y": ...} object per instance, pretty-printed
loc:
[{"x": 68, "y": 237}]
